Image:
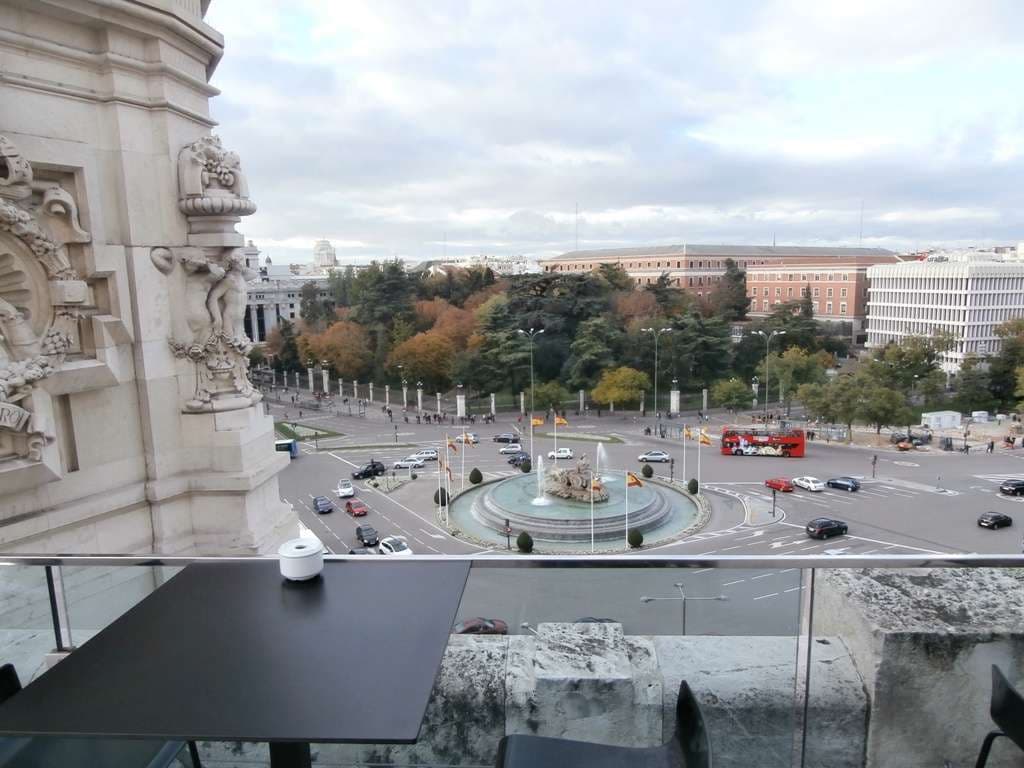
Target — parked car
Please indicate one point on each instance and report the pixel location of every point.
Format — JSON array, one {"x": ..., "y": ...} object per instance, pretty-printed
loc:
[
  {"x": 519, "y": 458},
  {"x": 779, "y": 484},
  {"x": 370, "y": 469},
  {"x": 825, "y": 527},
  {"x": 425, "y": 454},
  {"x": 367, "y": 535},
  {"x": 467, "y": 437},
  {"x": 505, "y": 437},
  {"x": 512, "y": 448},
  {"x": 905, "y": 445},
  {"x": 409, "y": 462},
  {"x": 356, "y": 508},
  {"x": 322, "y": 505},
  {"x": 1012, "y": 487},
  {"x": 561, "y": 453},
  {"x": 480, "y": 626},
  {"x": 849, "y": 484},
  {"x": 345, "y": 489},
  {"x": 654, "y": 456},
  {"x": 809, "y": 483},
  {"x": 393, "y": 545},
  {"x": 995, "y": 520}
]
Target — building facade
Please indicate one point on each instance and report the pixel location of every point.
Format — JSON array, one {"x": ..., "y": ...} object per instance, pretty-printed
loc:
[
  {"x": 695, "y": 268},
  {"x": 967, "y": 299},
  {"x": 324, "y": 255},
  {"x": 128, "y": 423},
  {"x": 273, "y": 299},
  {"x": 838, "y": 287}
]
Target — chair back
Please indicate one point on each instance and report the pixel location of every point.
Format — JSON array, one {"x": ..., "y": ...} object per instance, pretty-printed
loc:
[
  {"x": 1007, "y": 707},
  {"x": 9, "y": 682},
  {"x": 690, "y": 730}
]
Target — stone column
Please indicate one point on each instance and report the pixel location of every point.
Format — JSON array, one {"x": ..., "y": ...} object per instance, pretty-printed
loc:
[
  {"x": 460, "y": 404},
  {"x": 405, "y": 395},
  {"x": 673, "y": 399},
  {"x": 371, "y": 392},
  {"x": 273, "y": 372},
  {"x": 296, "y": 380},
  {"x": 439, "y": 402},
  {"x": 327, "y": 382},
  {"x": 387, "y": 395},
  {"x": 419, "y": 399},
  {"x": 522, "y": 403},
  {"x": 643, "y": 400},
  {"x": 355, "y": 389},
  {"x": 341, "y": 387},
  {"x": 494, "y": 409},
  {"x": 583, "y": 401},
  {"x": 309, "y": 373}
]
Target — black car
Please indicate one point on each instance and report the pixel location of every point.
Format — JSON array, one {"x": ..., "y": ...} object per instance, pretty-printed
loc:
[
  {"x": 995, "y": 520},
  {"x": 844, "y": 483},
  {"x": 370, "y": 469},
  {"x": 506, "y": 437},
  {"x": 518, "y": 458},
  {"x": 367, "y": 535},
  {"x": 1012, "y": 487},
  {"x": 824, "y": 527},
  {"x": 322, "y": 505}
]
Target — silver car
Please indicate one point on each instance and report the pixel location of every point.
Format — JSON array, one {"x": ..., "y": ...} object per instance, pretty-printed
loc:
[{"x": 409, "y": 462}]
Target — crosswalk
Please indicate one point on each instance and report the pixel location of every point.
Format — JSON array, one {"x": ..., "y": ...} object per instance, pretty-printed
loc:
[{"x": 834, "y": 499}]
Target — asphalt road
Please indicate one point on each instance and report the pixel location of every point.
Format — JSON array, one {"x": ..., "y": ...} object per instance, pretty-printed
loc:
[{"x": 920, "y": 503}]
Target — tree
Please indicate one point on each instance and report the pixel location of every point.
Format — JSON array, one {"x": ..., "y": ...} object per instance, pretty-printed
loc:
[
  {"x": 257, "y": 357},
  {"x": 647, "y": 471},
  {"x": 591, "y": 352},
  {"x": 669, "y": 298},
  {"x": 475, "y": 476},
  {"x": 313, "y": 310},
  {"x": 620, "y": 385},
  {"x": 526, "y": 466},
  {"x": 881, "y": 406},
  {"x": 615, "y": 276},
  {"x": 633, "y": 306},
  {"x": 793, "y": 368},
  {"x": 700, "y": 346},
  {"x": 732, "y": 394},
  {"x": 1019, "y": 390},
  {"x": 282, "y": 344},
  {"x": 635, "y": 537},
  {"x": 551, "y": 395},
  {"x": 844, "y": 391},
  {"x": 345, "y": 345},
  {"x": 972, "y": 388},
  {"x": 729, "y": 298},
  {"x": 441, "y": 497},
  {"x": 428, "y": 356},
  {"x": 692, "y": 487},
  {"x": 524, "y": 542},
  {"x": 1003, "y": 366}
]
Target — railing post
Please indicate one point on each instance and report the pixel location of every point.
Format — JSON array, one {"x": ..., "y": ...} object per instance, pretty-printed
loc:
[
  {"x": 802, "y": 676},
  {"x": 58, "y": 608}
]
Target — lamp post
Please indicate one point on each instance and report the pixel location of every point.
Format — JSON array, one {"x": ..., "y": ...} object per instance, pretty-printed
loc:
[
  {"x": 405, "y": 394},
  {"x": 767, "y": 345},
  {"x": 309, "y": 374},
  {"x": 419, "y": 396},
  {"x": 683, "y": 597},
  {"x": 531, "y": 335},
  {"x": 325, "y": 371},
  {"x": 656, "y": 332}
]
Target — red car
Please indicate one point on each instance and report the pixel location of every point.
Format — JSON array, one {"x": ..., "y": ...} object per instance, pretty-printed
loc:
[
  {"x": 480, "y": 626},
  {"x": 356, "y": 508},
  {"x": 779, "y": 484}
]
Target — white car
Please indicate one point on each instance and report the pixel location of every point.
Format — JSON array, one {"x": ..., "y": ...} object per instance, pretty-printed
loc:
[
  {"x": 393, "y": 545},
  {"x": 425, "y": 454},
  {"x": 467, "y": 437},
  {"x": 809, "y": 483},
  {"x": 511, "y": 448},
  {"x": 345, "y": 489},
  {"x": 561, "y": 453},
  {"x": 654, "y": 456},
  {"x": 409, "y": 462}
]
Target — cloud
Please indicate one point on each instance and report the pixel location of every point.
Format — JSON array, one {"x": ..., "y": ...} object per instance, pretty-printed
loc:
[{"x": 394, "y": 126}]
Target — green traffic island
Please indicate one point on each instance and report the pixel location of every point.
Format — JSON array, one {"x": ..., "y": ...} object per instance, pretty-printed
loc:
[
  {"x": 579, "y": 437},
  {"x": 389, "y": 484},
  {"x": 367, "y": 447},
  {"x": 295, "y": 431}
]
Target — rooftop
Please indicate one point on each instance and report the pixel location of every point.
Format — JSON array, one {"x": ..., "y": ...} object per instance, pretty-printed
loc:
[{"x": 744, "y": 251}]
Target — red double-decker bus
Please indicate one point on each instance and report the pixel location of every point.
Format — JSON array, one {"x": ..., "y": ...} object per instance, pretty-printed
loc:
[{"x": 761, "y": 441}]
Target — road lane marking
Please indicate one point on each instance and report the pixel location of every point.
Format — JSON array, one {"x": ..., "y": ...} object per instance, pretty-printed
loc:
[
  {"x": 762, "y": 597},
  {"x": 730, "y": 583},
  {"x": 793, "y": 589},
  {"x": 762, "y": 576}
]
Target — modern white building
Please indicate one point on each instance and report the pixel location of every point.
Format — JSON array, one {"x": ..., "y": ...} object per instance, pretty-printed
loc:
[
  {"x": 967, "y": 298},
  {"x": 273, "y": 298},
  {"x": 324, "y": 255},
  {"x": 503, "y": 266}
]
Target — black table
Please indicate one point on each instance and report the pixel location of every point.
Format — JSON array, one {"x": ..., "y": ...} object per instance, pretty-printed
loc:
[{"x": 231, "y": 651}]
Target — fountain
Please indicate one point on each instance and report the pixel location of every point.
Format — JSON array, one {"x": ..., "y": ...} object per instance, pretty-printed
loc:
[{"x": 540, "y": 500}]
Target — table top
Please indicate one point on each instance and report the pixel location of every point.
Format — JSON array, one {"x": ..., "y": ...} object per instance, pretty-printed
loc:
[{"x": 228, "y": 651}]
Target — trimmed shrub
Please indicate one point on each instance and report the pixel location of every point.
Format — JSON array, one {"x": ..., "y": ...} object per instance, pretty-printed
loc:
[
  {"x": 526, "y": 466},
  {"x": 476, "y": 477},
  {"x": 413, "y": 476},
  {"x": 692, "y": 486},
  {"x": 525, "y": 542},
  {"x": 647, "y": 471},
  {"x": 441, "y": 497},
  {"x": 635, "y": 538}
]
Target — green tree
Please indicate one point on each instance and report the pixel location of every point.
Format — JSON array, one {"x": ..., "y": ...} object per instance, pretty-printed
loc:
[
  {"x": 312, "y": 309},
  {"x": 732, "y": 394},
  {"x": 881, "y": 407},
  {"x": 973, "y": 388},
  {"x": 635, "y": 537},
  {"x": 620, "y": 385},
  {"x": 591, "y": 352},
  {"x": 524, "y": 541},
  {"x": 647, "y": 471},
  {"x": 550, "y": 394},
  {"x": 729, "y": 298},
  {"x": 282, "y": 343},
  {"x": 700, "y": 347},
  {"x": 1019, "y": 389},
  {"x": 1003, "y": 366},
  {"x": 615, "y": 276},
  {"x": 475, "y": 476},
  {"x": 817, "y": 401},
  {"x": 670, "y": 299},
  {"x": 791, "y": 369}
]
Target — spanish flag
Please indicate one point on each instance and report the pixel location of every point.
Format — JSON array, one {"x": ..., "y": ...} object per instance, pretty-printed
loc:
[
  {"x": 467, "y": 441},
  {"x": 452, "y": 446},
  {"x": 561, "y": 422},
  {"x": 704, "y": 439},
  {"x": 535, "y": 422},
  {"x": 633, "y": 481},
  {"x": 688, "y": 433}
]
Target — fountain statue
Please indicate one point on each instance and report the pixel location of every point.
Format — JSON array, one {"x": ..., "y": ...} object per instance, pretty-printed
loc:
[{"x": 579, "y": 484}]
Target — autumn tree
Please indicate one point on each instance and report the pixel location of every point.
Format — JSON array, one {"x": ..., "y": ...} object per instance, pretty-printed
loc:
[
  {"x": 427, "y": 356},
  {"x": 621, "y": 385},
  {"x": 794, "y": 367},
  {"x": 282, "y": 344},
  {"x": 345, "y": 345},
  {"x": 732, "y": 394},
  {"x": 550, "y": 395}
]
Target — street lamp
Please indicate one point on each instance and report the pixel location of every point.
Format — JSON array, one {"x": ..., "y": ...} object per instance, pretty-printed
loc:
[
  {"x": 767, "y": 344},
  {"x": 309, "y": 372},
  {"x": 326, "y": 373},
  {"x": 405, "y": 393},
  {"x": 656, "y": 332},
  {"x": 531, "y": 335},
  {"x": 683, "y": 597}
]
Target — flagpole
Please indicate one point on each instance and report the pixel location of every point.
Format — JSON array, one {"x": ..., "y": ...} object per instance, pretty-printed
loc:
[
  {"x": 699, "y": 487},
  {"x": 440, "y": 469},
  {"x": 684, "y": 453},
  {"x": 627, "y": 510},
  {"x": 591, "y": 513},
  {"x": 447, "y": 479},
  {"x": 556, "y": 433},
  {"x": 462, "y": 479}
]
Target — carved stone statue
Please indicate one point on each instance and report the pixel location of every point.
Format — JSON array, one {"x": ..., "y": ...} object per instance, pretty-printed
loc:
[
  {"x": 576, "y": 484},
  {"x": 211, "y": 182},
  {"x": 227, "y": 298}
]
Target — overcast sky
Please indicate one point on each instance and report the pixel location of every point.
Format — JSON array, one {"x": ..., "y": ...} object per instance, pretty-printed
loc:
[{"x": 388, "y": 127}]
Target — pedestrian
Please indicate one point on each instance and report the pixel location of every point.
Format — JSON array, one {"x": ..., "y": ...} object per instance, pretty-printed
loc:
[
  {"x": 300, "y": 413},
  {"x": 991, "y": 446}
]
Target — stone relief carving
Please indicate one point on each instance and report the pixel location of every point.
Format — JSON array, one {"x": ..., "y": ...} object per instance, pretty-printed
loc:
[
  {"x": 575, "y": 483},
  {"x": 41, "y": 299},
  {"x": 213, "y": 194}
]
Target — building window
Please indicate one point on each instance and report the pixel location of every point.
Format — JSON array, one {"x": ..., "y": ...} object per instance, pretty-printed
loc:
[
  {"x": 292, "y": 315},
  {"x": 789, "y": 292},
  {"x": 817, "y": 292},
  {"x": 778, "y": 291},
  {"x": 765, "y": 291},
  {"x": 817, "y": 277},
  {"x": 828, "y": 292},
  {"x": 842, "y": 308},
  {"x": 828, "y": 308},
  {"x": 764, "y": 304},
  {"x": 842, "y": 293}
]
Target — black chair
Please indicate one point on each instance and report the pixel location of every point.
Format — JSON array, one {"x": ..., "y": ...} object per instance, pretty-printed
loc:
[
  {"x": 1007, "y": 710},
  {"x": 689, "y": 747},
  {"x": 49, "y": 751}
]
